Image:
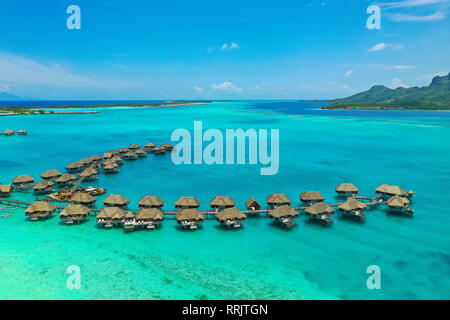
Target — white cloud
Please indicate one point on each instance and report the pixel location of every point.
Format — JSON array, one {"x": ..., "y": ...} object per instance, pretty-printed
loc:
[
  {"x": 349, "y": 73},
  {"x": 411, "y": 3},
  {"x": 397, "y": 83},
  {"x": 224, "y": 46},
  {"x": 198, "y": 89},
  {"x": 5, "y": 87},
  {"x": 226, "y": 86},
  {"x": 231, "y": 46},
  {"x": 401, "y": 67},
  {"x": 21, "y": 71},
  {"x": 412, "y": 18},
  {"x": 377, "y": 47}
]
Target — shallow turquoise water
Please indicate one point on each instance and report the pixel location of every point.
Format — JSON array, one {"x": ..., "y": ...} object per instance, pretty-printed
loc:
[{"x": 317, "y": 152}]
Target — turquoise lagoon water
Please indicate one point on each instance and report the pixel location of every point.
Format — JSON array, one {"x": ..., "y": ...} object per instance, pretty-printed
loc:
[{"x": 318, "y": 150}]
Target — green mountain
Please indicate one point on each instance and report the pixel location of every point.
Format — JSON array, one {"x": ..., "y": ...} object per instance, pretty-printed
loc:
[{"x": 436, "y": 96}]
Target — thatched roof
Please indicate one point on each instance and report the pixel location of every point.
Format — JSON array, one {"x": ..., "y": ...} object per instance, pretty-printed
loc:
[
  {"x": 151, "y": 201},
  {"x": 140, "y": 151},
  {"x": 51, "y": 174},
  {"x": 75, "y": 165},
  {"x": 352, "y": 204},
  {"x": 134, "y": 147},
  {"x": 311, "y": 196},
  {"x": 130, "y": 154},
  {"x": 83, "y": 197},
  {"x": 319, "y": 208},
  {"x": 187, "y": 202},
  {"x": 123, "y": 150},
  {"x": 9, "y": 131},
  {"x": 40, "y": 206},
  {"x": 167, "y": 145},
  {"x": 6, "y": 188},
  {"x": 250, "y": 201},
  {"x": 150, "y": 214},
  {"x": 116, "y": 159},
  {"x": 189, "y": 214},
  {"x": 230, "y": 214},
  {"x": 222, "y": 201},
  {"x": 149, "y": 145},
  {"x": 398, "y": 201},
  {"x": 66, "y": 177},
  {"x": 96, "y": 157},
  {"x": 278, "y": 199},
  {"x": 22, "y": 131},
  {"x": 85, "y": 161},
  {"x": 43, "y": 184},
  {"x": 116, "y": 200},
  {"x": 129, "y": 215},
  {"x": 114, "y": 152},
  {"x": 107, "y": 155},
  {"x": 110, "y": 165},
  {"x": 346, "y": 187},
  {"x": 88, "y": 172},
  {"x": 159, "y": 148},
  {"x": 112, "y": 212},
  {"x": 23, "y": 179},
  {"x": 75, "y": 210},
  {"x": 391, "y": 190},
  {"x": 283, "y": 212}
]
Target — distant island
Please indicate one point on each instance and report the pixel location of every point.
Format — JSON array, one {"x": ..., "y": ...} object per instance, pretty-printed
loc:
[
  {"x": 34, "y": 110},
  {"x": 436, "y": 96}
]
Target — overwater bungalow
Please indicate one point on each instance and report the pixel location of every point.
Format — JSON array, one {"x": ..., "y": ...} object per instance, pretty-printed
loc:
[
  {"x": 66, "y": 179},
  {"x": 141, "y": 153},
  {"x": 22, "y": 132},
  {"x": 108, "y": 155},
  {"x": 230, "y": 217},
  {"x": 83, "y": 198},
  {"x": 387, "y": 191},
  {"x": 149, "y": 146},
  {"x": 159, "y": 150},
  {"x": 187, "y": 203},
  {"x": 189, "y": 218},
  {"x": 117, "y": 159},
  {"x": 123, "y": 150},
  {"x": 130, "y": 155},
  {"x": 23, "y": 182},
  {"x": 44, "y": 186},
  {"x": 400, "y": 204},
  {"x": 252, "y": 205},
  {"x": 95, "y": 158},
  {"x": 111, "y": 167},
  {"x": 74, "y": 213},
  {"x": 75, "y": 167},
  {"x": 6, "y": 190},
  {"x": 111, "y": 217},
  {"x": 149, "y": 218},
  {"x": 320, "y": 212},
  {"x": 168, "y": 146},
  {"x": 311, "y": 197},
  {"x": 40, "y": 210},
  {"x": 134, "y": 147},
  {"x": 222, "y": 202},
  {"x": 51, "y": 175},
  {"x": 285, "y": 215},
  {"x": 347, "y": 189},
  {"x": 277, "y": 200},
  {"x": 89, "y": 174},
  {"x": 148, "y": 202},
  {"x": 9, "y": 132},
  {"x": 410, "y": 194},
  {"x": 115, "y": 152},
  {"x": 353, "y": 208},
  {"x": 115, "y": 200}
]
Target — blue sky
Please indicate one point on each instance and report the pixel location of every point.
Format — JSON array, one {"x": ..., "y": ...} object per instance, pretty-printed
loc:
[{"x": 216, "y": 49}]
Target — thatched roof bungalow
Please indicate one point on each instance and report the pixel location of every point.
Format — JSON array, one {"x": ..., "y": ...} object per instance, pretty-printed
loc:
[
  {"x": 75, "y": 166},
  {"x": 320, "y": 211},
  {"x": 284, "y": 214},
  {"x": 24, "y": 181},
  {"x": 134, "y": 147},
  {"x": 148, "y": 218},
  {"x": 115, "y": 200},
  {"x": 346, "y": 189},
  {"x": 40, "y": 210},
  {"x": 311, "y": 197},
  {"x": 66, "y": 179},
  {"x": 252, "y": 205},
  {"x": 141, "y": 153},
  {"x": 231, "y": 217},
  {"x": 222, "y": 202},
  {"x": 111, "y": 167},
  {"x": 74, "y": 213},
  {"x": 130, "y": 155},
  {"x": 6, "y": 190},
  {"x": 44, "y": 186},
  {"x": 167, "y": 146},
  {"x": 189, "y": 218},
  {"x": 95, "y": 158},
  {"x": 353, "y": 208},
  {"x": 22, "y": 132},
  {"x": 51, "y": 174},
  {"x": 111, "y": 216},
  {"x": 123, "y": 150},
  {"x": 107, "y": 155},
  {"x": 89, "y": 174},
  {"x": 276, "y": 200},
  {"x": 151, "y": 202},
  {"x": 83, "y": 198},
  {"x": 117, "y": 160},
  {"x": 9, "y": 132},
  {"x": 187, "y": 202},
  {"x": 397, "y": 203},
  {"x": 390, "y": 190},
  {"x": 159, "y": 150},
  {"x": 149, "y": 146}
]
